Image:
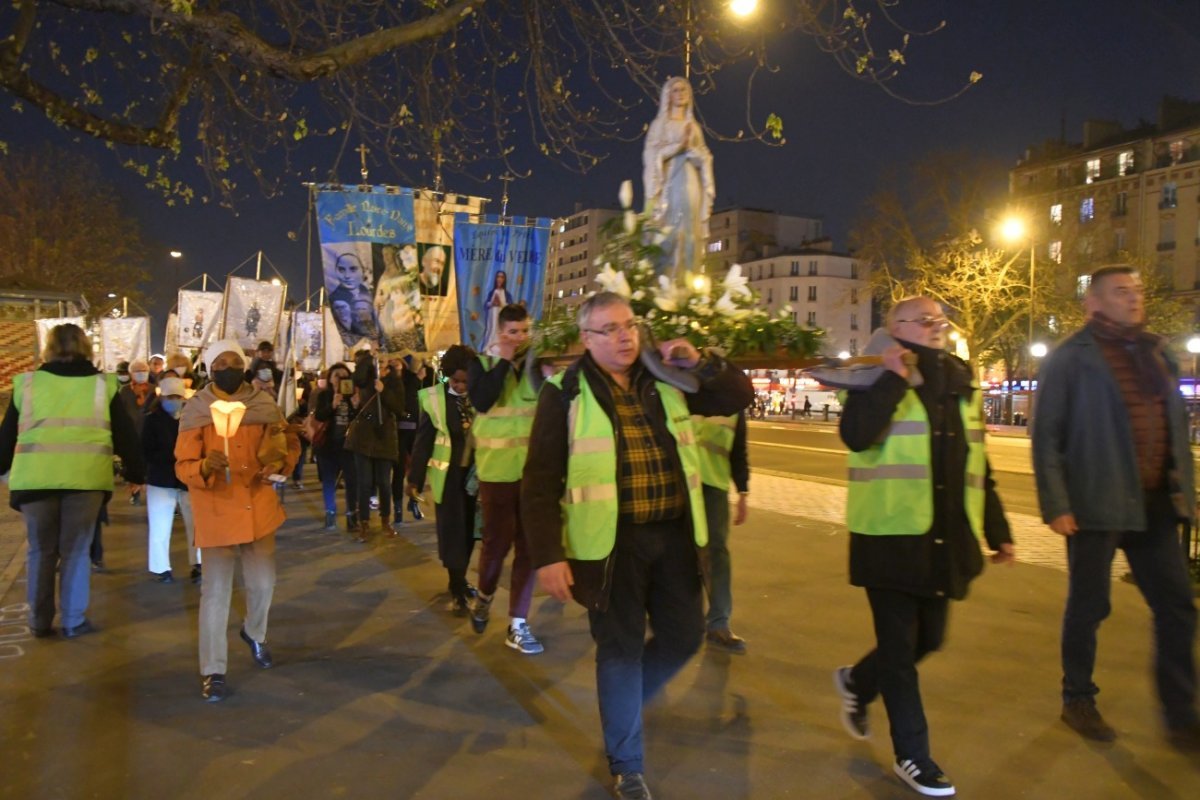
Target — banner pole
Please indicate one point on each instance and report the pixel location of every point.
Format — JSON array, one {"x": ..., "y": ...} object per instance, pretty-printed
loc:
[{"x": 258, "y": 267}]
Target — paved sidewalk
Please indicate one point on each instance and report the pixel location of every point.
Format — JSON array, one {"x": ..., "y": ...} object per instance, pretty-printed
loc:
[{"x": 379, "y": 692}]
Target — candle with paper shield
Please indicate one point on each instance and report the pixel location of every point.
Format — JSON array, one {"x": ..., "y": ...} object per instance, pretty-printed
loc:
[{"x": 227, "y": 417}]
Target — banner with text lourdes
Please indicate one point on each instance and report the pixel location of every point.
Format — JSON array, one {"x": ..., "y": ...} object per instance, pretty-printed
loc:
[
  {"x": 495, "y": 265},
  {"x": 369, "y": 255}
]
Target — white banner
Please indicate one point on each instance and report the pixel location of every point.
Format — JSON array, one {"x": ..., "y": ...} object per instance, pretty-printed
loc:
[
  {"x": 252, "y": 310},
  {"x": 199, "y": 315},
  {"x": 308, "y": 337},
  {"x": 123, "y": 339},
  {"x": 44, "y": 326},
  {"x": 281, "y": 338},
  {"x": 171, "y": 343}
]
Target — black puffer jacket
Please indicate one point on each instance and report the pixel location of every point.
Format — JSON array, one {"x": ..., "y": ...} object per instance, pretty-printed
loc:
[{"x": 943, "y": 561}]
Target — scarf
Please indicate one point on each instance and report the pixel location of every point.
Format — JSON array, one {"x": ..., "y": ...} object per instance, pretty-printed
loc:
[
  {"x": 260, "y": 408},
  {"x": 1147, "y": 347}
]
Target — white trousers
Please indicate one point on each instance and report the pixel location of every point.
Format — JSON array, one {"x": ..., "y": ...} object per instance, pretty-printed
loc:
[{"x": 160, "y": 509}]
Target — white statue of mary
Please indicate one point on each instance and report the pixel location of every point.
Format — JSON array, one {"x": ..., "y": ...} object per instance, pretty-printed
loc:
[{"x": 677, "y": 178}]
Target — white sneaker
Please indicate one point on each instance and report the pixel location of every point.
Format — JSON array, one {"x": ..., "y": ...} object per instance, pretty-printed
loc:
[{"x": 520, "y": 638}]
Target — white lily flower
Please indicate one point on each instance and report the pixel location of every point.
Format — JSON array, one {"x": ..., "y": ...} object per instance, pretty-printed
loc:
[
  {"x": 666, "y": 303},
  {"x": 611, "y": 280},
  {"x": 639, "y": 294},
  {"x": 630, "y": 220},
  {"x": 625, "y": 195},
  {"x": 726, "y": 308},
  {"x": 735, "y": 283}
]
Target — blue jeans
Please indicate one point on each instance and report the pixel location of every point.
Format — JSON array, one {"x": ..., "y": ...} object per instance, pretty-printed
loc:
[
  {"x": 656, "y": 575},
  {"x": 298, "y": 472},
  {"x": 720, "y": 579},
  {"x": 328, "y": 469},
  {"x": 59, "y": 529},
  {"x": 1159, "y": 567}
]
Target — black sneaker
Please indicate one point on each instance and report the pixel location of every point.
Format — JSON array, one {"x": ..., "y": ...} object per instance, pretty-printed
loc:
[
  {"x": 197, "y": 574},
  {"x": 481, "y": 610},
  {"x": 631, "y": 786},
  {"x": 163, "y": 577},
  {"x": 854, "y": 710},
  {"x": 924, "y": 777},
  {"x": 1082, "y": 716}
]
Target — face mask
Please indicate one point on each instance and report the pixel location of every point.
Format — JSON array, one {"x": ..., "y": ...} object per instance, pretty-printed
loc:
[
  {"x": 141, "y": 377},
  {"x": 172, "y": 407},
  {"x": 450, "y": 389},
  {"x": 180, "y": 371},
  {"x": 122, "y": 379},
  {"x": 264, "y": 374},
  {"x": 228, "y": 380}
]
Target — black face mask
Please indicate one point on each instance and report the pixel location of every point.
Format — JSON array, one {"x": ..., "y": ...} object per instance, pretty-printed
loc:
[{"x": 228, "y": 380}]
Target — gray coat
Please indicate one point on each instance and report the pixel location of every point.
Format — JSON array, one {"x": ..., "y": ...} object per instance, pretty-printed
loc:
[{"x": 1083, "y": 451}]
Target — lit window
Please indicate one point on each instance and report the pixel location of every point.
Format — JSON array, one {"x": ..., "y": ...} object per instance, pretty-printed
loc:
[
  {"x": 1054, "y": 252},
  {"x": 714, "y": 247},
  {"x": 1177, "y": 148},
  {"x": 1125, "y": 163},
  {"x": 560, "y": 293},
  {"x": 1092, "y": 170},
  {"x": 1056, "y": 213},
  {"x": 1087, "y": 209},
  {"x": 1170, "y": 195},
  {"x": 812, "y": 294},
  {"x": 1081, "y": 286}
]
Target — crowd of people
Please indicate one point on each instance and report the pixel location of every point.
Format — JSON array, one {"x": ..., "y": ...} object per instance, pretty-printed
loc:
[{"x": 627, "y": 507}]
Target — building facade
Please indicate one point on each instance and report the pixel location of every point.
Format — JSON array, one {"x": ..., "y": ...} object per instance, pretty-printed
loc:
[
  {"x": 738, "y": 235},
  {"x": 822, "y": 288},
  {"x": 1121, "y": 193},
  {"x": 575, "y": 241}
]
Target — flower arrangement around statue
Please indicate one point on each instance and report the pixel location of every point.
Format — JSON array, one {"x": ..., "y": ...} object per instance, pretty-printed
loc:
[{"x": 724, "y": 314}]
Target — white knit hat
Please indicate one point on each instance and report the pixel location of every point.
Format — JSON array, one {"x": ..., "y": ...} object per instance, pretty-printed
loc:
[
  {"x": 170, "y": 386},
  {"x": 223, "y": 346}
]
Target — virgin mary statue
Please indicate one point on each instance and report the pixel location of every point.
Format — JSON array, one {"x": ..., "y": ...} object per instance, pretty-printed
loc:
[{"x": 677, "y": 178}]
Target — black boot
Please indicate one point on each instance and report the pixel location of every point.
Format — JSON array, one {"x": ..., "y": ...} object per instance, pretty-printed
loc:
[
  {"x": 351, "y": 522},
  {"x": 331, "y": 520}
]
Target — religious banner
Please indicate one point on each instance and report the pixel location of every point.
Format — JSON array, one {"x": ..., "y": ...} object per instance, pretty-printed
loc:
[
  {"x": 495, "y": 265},
  {"x": 252, "y": 311},
  {"x": 308, "y": 337},
  {"x": 44, "y": 326},
  {"x": 123, "y": 339},
  {"x": 285, "y": 330},
  {"x": 435, "y": 214},
  {"x": 369, "y": 257},
  {"x": 199, "y": 317},
  {"x": 171, "y": 343}
]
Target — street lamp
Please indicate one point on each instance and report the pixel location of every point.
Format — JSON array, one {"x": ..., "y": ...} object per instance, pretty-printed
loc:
[
  {"x": 1014, "y": 230},
  {"x": 743, "y": 8},
  {"x": 1038, "y": 350},
  {"x": 176, "y": 254}
]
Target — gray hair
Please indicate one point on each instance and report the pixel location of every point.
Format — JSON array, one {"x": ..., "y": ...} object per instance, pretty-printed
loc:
[
  {"x": 596, "y": 302},
  {"x": 67, "y": 343}
]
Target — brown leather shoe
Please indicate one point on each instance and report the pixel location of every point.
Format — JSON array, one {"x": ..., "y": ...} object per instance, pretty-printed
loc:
[
  {"x": 1082, "y": 716},
  {"x": 727, "y": 640}
]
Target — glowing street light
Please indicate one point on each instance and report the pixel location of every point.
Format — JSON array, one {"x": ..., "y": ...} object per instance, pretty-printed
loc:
[
  {"x": 1012, "y": 229},
  {"x": 844, "y": 355},
  {"x": 1038, "y": 350},
  {"x": 176, "y": 254},
  {"x": 743, "y": 8},
  {"x": 1193, "y": 345},
  {"x": 701, "y": 284}
]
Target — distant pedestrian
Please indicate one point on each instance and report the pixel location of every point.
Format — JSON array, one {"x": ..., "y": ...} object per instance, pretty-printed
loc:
[
  {"x": 164, "y": 491},
  {"x": 57, "y": 441},
  {"x": 444, "y": 452},
  {"x": 1114, "y": 470},
  {"x": 920, "y": 496},
  {"x": 807, "y": 406},
  {"x": 612, "y": 504},
  {"x": 236, "y": 508}
]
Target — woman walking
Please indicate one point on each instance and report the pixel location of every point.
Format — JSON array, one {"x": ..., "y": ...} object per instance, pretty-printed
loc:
[
  {"x": 164, "y": 491},
  {"x": 373, "y": 439},
  {"x": 56, "y": 445},
  {"x": 335, "y": 410},
  {"x": 236, "y": 508}
]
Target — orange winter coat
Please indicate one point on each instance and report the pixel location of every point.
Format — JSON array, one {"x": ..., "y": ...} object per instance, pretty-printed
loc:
[{"x": 240, "y": 512}]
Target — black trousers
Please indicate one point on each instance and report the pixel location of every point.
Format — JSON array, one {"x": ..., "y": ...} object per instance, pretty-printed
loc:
[
  {"x": 1159, "y": 567},
  {"x": 374, "y": 476},
  {"x": 907, "y": 628}
]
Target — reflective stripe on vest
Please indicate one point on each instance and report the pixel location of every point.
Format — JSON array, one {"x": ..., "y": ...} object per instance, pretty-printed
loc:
[
  {"x": 64, "y": 433},
  {"x": 715, "y": 436},
  {"x": 590, "y": 504},
  {"x": 890, "y": 492},
  {"x": 432, "y": 401},
  {"x": 502, "y": 434}
]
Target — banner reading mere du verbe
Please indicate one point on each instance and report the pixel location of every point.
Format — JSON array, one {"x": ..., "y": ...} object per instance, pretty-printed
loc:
[
  {"x": 369, "y": 256},
  {"x": 496, "y": 265}
]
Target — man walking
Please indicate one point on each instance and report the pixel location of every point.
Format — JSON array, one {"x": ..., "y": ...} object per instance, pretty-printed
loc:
[
  {"x": 920, "y": 494},
  {"x": 1114, "y": 469},
  {"x": 614, "y": 512},
  {"x": 723, "y": 461},
  {"x": 505, "y": 400}
]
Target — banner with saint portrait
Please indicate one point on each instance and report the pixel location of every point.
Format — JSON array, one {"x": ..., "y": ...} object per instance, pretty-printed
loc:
[
  {"x": 308, "y": 339},
  {"x": 199, "y": 317},
  {"x": 495, "y": 265},
  {"x": 369, "y": 258},
  {"x": 171, "y": 339},
  {"x": 123, "y": 339},
  {"x": 252, "y": 311}
]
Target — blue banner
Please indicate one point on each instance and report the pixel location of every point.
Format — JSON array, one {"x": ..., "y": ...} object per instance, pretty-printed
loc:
[
  {"x": 369, "y": 257},
  {"x": 496, "y": 265}
]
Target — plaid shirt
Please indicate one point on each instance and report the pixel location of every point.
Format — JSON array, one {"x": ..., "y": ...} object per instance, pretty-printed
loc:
[{"x": 649, "y": 487}]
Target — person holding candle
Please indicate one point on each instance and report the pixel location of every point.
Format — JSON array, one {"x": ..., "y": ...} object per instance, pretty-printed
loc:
[{"x": 232, "y": 438}]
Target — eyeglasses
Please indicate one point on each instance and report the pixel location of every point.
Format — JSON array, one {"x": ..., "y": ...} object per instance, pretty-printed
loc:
[
  {"x": 929, "y": 321},
  {"x": 613, "y": 329}
]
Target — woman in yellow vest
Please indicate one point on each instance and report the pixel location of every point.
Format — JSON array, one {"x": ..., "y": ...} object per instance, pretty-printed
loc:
[
  {"x": 56, "y": 445},
  {"x": 444, "y": 451}
]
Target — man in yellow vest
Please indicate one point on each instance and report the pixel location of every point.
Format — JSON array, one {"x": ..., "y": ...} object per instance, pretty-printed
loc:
[
  {"x": 505, "y": 399},
  {"x": 614, "y": 512},
  {"x": 920, "y": 495},
  {"x": 723, "y": 462}
]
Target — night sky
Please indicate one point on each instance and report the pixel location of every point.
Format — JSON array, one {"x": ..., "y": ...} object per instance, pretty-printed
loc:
[{"x": 1042, "y": 63}]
